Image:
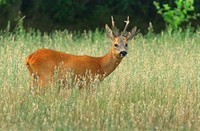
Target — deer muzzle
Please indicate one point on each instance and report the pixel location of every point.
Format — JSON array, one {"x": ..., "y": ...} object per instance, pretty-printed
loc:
[{"x": 123, "y": 53}]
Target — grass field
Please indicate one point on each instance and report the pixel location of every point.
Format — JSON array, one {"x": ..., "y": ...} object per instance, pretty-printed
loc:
[{"x": 156, "y": 87}]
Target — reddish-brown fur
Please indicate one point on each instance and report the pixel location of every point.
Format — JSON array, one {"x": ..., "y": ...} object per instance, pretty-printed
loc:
[{"x": 43, "y": 63}]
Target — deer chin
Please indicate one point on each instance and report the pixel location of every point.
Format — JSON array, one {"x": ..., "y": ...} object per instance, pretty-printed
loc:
[{"x": 121, "y": 55}]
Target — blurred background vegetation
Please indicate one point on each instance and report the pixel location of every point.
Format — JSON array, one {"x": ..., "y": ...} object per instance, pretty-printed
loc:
[{"x": 49, "y": 15}]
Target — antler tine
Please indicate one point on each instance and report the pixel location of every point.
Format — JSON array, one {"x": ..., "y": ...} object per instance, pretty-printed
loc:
[
  {"x": 113, "y": 23},
  {"x": 116, "y": 31},
  {"x": 127, "y": 22}
]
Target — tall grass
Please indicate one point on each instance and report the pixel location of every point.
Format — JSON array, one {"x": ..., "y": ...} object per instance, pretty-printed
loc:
[{"x": 156, "y": 87}]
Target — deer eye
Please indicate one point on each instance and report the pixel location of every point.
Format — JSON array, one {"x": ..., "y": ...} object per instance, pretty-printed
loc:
[
  {"x": 126, "y": 44},
  {"x": 116, "y": 45}
]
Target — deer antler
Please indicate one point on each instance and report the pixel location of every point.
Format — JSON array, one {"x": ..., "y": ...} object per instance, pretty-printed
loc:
[
  {"x": 116, "y": 31},
  {"x": 113, "y": 23},
  {"x": 127, "y": 22}
]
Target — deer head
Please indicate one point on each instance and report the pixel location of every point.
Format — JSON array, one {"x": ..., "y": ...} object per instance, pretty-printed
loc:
[{"x": 120, "y": 40}]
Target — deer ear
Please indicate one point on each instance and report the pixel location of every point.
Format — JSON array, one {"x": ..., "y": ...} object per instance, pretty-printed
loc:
[
  {"x": 131, "y": 34},
  {"x": 109, "y": 32}
]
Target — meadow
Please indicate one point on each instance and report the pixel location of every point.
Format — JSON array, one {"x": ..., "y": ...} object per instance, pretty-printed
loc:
[{"x": 155, "y": 87}]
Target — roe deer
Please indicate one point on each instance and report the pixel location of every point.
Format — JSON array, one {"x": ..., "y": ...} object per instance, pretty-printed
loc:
[{"x": 43, "y": 62}]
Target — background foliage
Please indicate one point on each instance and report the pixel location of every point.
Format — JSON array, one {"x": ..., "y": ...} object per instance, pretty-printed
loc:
[
  {"x": 174, "y": 17},
  {"x": 83, "y": 14}
]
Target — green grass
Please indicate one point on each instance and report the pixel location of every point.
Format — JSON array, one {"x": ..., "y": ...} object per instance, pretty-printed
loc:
[{"x": 156, "y": 87}]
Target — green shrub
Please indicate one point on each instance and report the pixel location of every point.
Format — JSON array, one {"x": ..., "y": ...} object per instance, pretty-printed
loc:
[
  {"x": 2, "y": 2},
  {"x": 174, "y": 17}
]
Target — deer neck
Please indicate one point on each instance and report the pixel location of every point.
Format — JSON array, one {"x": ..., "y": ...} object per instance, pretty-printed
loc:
[{"x": 109, "y": 62}]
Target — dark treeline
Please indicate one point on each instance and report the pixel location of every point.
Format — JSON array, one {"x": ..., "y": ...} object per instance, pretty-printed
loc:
[{"x": 48, "y": 15}]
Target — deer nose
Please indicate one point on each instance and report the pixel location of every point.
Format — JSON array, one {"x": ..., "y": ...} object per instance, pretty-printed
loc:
[{"x": 123, "y": 53}]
